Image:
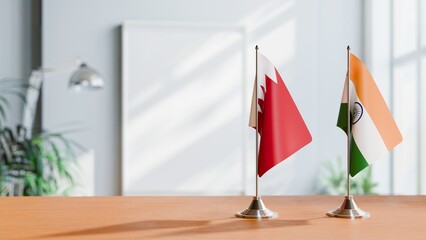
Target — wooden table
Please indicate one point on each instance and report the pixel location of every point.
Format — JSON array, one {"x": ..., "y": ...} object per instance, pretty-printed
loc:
[{"x": 301, "y": 217}]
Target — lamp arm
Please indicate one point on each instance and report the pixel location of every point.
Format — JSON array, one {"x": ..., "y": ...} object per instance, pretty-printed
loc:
[
  {"x": 32, "y": 97},
  {"x": 84, "y": 76},
  {"x": 55, "y": 70}
]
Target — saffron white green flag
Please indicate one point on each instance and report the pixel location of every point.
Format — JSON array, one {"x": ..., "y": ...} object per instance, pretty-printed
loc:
[{"x": 374, "y": 132}]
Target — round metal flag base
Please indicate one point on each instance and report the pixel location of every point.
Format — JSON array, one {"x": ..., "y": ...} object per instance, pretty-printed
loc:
[
  {"x": 257, "y": 209},
  {"x": 348, "y": 209}
]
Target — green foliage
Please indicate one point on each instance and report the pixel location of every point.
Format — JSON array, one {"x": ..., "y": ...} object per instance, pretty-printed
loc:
[
  {"x": 335, "y": 177},
  {"x": 41, "y": 165}
]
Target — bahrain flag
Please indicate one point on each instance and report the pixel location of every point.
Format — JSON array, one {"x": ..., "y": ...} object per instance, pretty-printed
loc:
[{"x": 281, "y": 128}]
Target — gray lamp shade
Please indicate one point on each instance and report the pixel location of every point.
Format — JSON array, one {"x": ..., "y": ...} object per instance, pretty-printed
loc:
[{"x": 87, "y": 78}]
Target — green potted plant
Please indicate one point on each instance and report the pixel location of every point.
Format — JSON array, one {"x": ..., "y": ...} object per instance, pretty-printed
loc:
[{"x": 40, "y": 164}]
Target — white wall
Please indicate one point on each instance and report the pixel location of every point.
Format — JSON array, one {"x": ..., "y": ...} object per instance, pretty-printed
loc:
[
  {"x": 306, "y": 40},
  {"x": 15, "y": 47}
]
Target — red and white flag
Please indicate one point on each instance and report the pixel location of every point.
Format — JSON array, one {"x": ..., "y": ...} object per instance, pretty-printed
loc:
[{"x": 281, "y": 127}]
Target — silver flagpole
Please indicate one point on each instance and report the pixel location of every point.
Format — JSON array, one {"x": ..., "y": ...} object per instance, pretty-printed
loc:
[
  {"x": 257, "y": 208},
  {"x": 257, "y": 123},
  {"x": 348, "y": 209},
  {"x": 348, "y": 127}
]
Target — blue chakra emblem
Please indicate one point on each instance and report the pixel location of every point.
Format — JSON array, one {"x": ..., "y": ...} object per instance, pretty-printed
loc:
[{"x": 357, "y": 112}]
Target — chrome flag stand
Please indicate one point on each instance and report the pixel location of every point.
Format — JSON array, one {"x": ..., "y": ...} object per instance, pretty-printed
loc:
[
  {"x": 348, "y": 209},
  {"x": 257, "y": 208}
]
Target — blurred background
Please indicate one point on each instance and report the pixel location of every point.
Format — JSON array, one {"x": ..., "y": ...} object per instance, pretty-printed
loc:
[{"x": 170, "y": 115}]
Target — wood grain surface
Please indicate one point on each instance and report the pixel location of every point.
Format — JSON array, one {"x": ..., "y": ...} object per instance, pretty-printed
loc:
[{"x": 300, "y": 217}]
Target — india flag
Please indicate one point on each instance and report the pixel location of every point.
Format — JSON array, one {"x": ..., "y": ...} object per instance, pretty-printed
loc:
[{"x": 374, "y": 132}]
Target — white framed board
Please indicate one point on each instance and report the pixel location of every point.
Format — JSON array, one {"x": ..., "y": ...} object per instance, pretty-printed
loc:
[{"x": 183, "y": 108}]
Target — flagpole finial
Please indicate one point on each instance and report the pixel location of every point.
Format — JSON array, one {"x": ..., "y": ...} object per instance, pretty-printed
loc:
[
  {"x": 257, "y": 47},
  {"x": 349, "y": 48}
]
